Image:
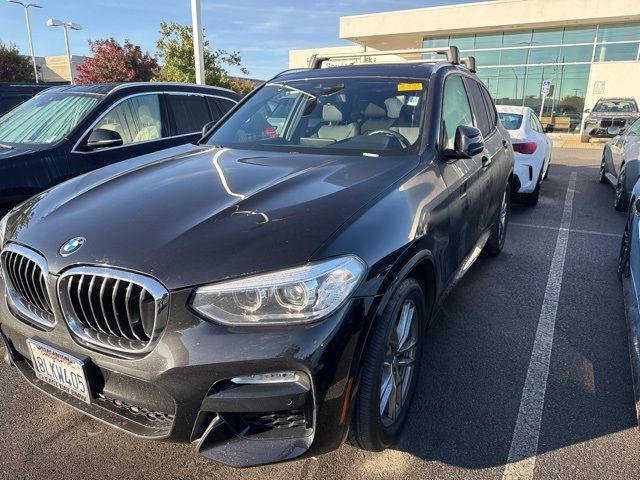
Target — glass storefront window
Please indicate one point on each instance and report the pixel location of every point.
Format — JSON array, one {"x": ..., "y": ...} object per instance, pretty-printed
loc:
[
  {"x": 618, "y": 33},
  {"x": 488, "y": 58},
  {"x": 547, "y": 37},
  {"x": 576, "y": 53},
  {"x": 616, "y": 52},
  {"x": 516, "y": 39},
  {"x": 579, "y": 35},
  {"x": 463, "y": 42},
  {"x": 514, "y": 56},
  {"x": 436, "y": 42},
  {"x": 489, "y": 40},
  {"x": 544, "y": 55}
]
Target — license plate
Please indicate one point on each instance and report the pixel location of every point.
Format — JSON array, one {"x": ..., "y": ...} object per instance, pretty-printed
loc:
[{"x": 60, "y": 369}]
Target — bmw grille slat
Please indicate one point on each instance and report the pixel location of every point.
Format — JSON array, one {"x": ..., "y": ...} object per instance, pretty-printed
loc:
[
  {"x": 112, "y": 309},
  {"x": 25, "y": 272}
]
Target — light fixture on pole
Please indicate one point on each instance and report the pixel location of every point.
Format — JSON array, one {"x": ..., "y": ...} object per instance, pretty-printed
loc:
[
  {"x": 52, "y": 22},
  {"x": 26, "y": 7}
]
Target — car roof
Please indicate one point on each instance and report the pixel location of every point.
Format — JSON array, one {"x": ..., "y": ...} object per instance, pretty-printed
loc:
[
  {"x": 513, "y": 109},
  {"x": 407, "y": 70},
  {"x": 108, "y": 88}
]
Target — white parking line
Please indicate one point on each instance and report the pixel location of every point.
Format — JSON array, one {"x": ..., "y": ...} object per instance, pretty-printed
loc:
[
  {"x": 571, "y": 230},
  {"x": 524, "y": 444}
]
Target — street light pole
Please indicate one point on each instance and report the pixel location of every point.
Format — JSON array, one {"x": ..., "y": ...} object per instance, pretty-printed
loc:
[
  {"x": 26, "y": 14},
  {"x": 52, "y": 22},
  {"x": 198, "y": 41}
]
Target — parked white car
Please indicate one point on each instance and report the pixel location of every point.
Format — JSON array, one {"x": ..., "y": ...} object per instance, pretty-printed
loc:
[{"x": 532, "y": 148}]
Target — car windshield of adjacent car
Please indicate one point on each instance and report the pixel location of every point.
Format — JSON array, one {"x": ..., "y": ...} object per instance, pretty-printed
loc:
[
  {"x": 46, "y": 118},
  {"x": 510, "y": 121},
  {"x": 616, "y": 106},
  {"x": 347, "y": 116}
]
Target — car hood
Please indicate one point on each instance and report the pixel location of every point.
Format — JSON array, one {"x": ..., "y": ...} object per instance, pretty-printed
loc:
[
  {"x": 16, "y": 151},
  {"x": 205, "y": 214}
]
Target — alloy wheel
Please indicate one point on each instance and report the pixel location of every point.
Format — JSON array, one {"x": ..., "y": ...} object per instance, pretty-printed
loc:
[
  {"x": 502, "y": 225},
  {"x": 399, "y": 364}
]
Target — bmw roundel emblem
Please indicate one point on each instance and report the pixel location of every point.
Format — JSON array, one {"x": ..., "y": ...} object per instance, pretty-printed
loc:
[{"x": 72, "y": 246}]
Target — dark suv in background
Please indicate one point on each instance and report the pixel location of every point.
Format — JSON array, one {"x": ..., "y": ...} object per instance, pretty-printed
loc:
[
  {"x": 68, "y": 130},
  {"x": 266, "y": 293},
  {"x": 13, "y": 94},
  {"x": 609, "y": 117}
]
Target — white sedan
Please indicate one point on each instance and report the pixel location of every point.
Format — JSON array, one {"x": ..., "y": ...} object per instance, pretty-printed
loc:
[{"x": 532, "y": 148}]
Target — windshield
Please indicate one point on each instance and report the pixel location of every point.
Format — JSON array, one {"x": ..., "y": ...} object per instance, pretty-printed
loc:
[
  {"x": 45, "y": 119},
  {"x": 510, "y": 121},
  {"x": 615, "y": 106},
  {"x": 332, "y": 115}
]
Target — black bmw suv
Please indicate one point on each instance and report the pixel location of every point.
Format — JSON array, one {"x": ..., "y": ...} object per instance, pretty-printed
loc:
[
  {"x": 67, "y": 130},
  {"x": 264, "y": 294}
]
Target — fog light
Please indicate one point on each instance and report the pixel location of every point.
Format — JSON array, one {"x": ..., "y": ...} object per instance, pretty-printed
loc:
[{"x": 276, "y": 377}]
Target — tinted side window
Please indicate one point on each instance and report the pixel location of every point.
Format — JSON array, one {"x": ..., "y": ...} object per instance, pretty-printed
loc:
[
  {"x": 190, "y": 112},
  {"x": 455, "y": 110},
  {"x": 491, "y": 108},
  {"x": 136, "y": 119},
  {"x": 215, "y": 109},
  {"x": 225, "y": 105},
  {"x": 479, "y": 107},
  {"x": 635, "y": 128},
  {"x": 535, "y": 123}
]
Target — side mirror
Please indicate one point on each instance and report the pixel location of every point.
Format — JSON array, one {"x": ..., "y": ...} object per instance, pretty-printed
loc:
[
  {"x": 468, "y": 142},
  {"x": 549, "y": 128},
  {"x": 103, "y": 138},
  {"x": 208, "y": 126},
  {"x": 613, "y": 131}
]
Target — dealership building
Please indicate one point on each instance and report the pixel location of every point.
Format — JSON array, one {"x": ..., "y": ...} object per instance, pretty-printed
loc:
[{"x": 587, "y": 49}]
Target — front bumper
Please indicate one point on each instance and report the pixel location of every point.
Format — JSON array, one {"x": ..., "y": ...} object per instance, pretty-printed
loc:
[{"x": 181, "y": 391}]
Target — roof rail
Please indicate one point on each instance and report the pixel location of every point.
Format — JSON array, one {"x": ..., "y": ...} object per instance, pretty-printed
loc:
[
  {"x": 452, "y": 53},
  {"x": 470, "y": 63}
]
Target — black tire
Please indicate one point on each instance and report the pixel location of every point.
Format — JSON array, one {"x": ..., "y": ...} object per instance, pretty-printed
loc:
[
  {"x": 370, "y": 429},
  {"x": 621, "y": 202},
  {"x": 603, "y": 177},
  {"x": 625, "y": 249},
  {"x": 499, "y": 230},
  {"x": 584, "y": 139},
  {"x": 532, "y": 198}
]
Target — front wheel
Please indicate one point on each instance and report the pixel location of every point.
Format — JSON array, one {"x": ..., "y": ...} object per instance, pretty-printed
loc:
[
  {"x": 625, "y": 249},
  {"x": 499, "y": 229},
  {"x": 390, "y": 370},
  {"x": 603, "y": 171},
  {"x": 621, "y": 202}
]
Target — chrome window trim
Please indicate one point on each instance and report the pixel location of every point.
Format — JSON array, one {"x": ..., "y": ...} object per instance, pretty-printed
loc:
[
  {"x": 159, "y": 293},
  {"x": 13, "y": 298},
  {"x": 118, "y": 102}
]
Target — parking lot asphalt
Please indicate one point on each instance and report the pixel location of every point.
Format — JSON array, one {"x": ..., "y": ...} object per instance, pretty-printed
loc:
[{"x": 527, "y": 362}]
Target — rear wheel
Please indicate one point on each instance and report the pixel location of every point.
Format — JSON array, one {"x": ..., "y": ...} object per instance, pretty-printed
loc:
[
  {"x": 390, "y": 370},
  {"x": 499, "y": 230},
  {"x": 533, "y": 197},
  {"x": 621, "y": 202}
]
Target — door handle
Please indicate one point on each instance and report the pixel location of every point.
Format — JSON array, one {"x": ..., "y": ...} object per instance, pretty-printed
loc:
[
  {"x": 486, "y": 162},
  {"x": 505, "y": 144}
]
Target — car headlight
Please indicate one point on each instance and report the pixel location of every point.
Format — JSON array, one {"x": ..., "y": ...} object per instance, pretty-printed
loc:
[
  {"x": 292, "y": 296},
  {"x": 3, "y": 229}
]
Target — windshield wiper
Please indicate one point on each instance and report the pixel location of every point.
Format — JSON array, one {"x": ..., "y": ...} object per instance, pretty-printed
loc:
[
  {"x": 4, "y": 145},
  {"x": 293, "y": 89}
]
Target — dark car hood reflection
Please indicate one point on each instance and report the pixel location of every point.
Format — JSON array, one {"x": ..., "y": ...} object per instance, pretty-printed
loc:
[{"x": 205, "y": 214}]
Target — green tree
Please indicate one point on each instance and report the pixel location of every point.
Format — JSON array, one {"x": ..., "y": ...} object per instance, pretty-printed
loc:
[
  {"x": 175, "y": 50},
  {"x": 242, "y": 86},
  {"x": 13, "y": 66}
]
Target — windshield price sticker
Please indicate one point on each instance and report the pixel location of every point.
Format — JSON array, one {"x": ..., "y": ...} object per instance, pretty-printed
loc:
[{"x": 407, "y": 87}]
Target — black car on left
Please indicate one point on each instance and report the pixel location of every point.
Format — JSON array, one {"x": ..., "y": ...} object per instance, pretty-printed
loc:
[{"x": 68, "y": 130}]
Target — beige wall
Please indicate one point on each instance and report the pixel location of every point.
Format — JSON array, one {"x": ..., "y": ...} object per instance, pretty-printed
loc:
[
  {"x": 620, "y": 80},
  {"x": 300, "y": 58},
  {"x": 405, "y": 28},
  {"x": 56, "y": 68}
]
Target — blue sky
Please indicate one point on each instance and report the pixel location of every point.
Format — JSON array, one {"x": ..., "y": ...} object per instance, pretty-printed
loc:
[{"x": 262, "y": 31}]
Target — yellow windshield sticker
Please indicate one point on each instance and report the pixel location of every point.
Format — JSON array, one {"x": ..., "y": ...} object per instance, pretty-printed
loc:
[{"x": 406, "y": 87}]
